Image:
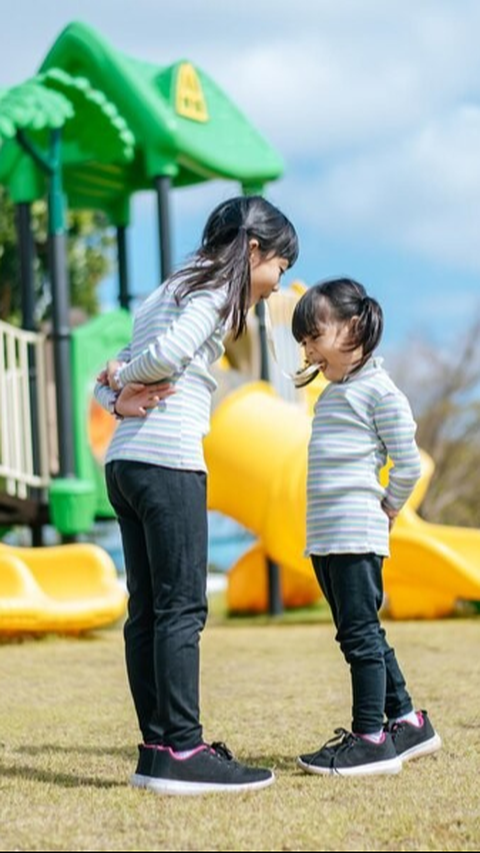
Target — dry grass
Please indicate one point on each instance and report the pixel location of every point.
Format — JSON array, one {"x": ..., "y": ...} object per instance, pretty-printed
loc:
[{"x": 69, "y": 745}]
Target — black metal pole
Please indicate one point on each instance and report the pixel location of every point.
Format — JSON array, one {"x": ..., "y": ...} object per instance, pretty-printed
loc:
[
  {"x": 274, "y": 585},
  {"x": 61, "y": 353},
  {"x": 27, "y": 287},
  {"x": 262, "y": 332},
  {"x": 124, "y": 295},
  {"x": 61, "y": 311},
  {"x": 27, "y": 291},
  {"x": 162, "y": 187}
]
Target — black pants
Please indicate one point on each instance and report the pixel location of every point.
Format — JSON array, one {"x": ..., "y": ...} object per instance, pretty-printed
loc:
[
  {"x": 353, "y": 587},
  {"x": 163, "y": 521}
]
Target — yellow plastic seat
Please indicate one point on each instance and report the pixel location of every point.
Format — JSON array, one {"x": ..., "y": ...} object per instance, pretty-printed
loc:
[{"x": 65, "y": 588}]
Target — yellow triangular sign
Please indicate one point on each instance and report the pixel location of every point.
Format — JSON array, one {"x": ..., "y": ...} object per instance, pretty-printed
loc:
[{"x": 190, "y": 100}]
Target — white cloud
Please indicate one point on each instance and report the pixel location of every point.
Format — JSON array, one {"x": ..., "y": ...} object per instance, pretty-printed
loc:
[
  {"x": 421, "y": 194},
  {"x": 316, "y": 77},
  {"x": 331, "y": 89},
  {"x": 371, "y": 103}
]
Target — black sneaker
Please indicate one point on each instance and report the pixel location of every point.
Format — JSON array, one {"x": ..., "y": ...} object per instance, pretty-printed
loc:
[
  {"x": 146, "y": 754},
  {"x": 208, "y": 769},
  {"x": 413, "y": 741},
  {"x": 347, "y": 754}
]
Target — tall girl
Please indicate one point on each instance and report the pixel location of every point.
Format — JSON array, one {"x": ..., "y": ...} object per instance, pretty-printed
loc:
[{"x": 156, "y": 479}]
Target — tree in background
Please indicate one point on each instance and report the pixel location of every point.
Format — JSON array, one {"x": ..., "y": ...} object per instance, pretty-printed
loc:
[
  {"x": 89, "y": 260},
  {"x": 444, "y": 389}
]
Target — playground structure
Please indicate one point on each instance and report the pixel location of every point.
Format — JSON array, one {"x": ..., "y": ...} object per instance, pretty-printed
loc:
[
  {"x": 431, "y": 566},
  {"x": 93, "y": 126},
  {"x": 169, "y": 127},
  {"x": 98, "y": 126}
]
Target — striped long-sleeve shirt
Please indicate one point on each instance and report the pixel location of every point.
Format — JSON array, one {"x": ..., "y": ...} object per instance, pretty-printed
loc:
[
  {"x": 356, "y": 424},
  {"x": 177, "y": 343}
]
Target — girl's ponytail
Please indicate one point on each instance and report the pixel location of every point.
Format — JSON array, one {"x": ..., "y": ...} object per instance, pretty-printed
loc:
[
  {"x": 369, "y": 327},
  {"x": 230, "y": 264},
  {"x": 223, "y": 259}
]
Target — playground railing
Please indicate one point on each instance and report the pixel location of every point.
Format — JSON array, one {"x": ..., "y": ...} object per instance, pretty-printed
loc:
[{"x": 24, "y": 452}]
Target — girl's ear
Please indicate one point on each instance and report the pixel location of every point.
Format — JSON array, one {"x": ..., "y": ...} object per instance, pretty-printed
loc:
[
  {"x": 253, "y": 245},
  {"x": 353, "y": 322}
]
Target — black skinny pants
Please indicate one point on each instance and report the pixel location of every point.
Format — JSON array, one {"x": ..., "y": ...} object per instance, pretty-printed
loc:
[
  {"x": 163, "y": 521},
  {"x": 353, "y": 587}
]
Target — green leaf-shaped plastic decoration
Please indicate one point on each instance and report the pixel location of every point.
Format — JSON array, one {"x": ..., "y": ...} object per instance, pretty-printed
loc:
[
  {"x": 96, "y": 128},
  {"x": 31, "y": 106}
]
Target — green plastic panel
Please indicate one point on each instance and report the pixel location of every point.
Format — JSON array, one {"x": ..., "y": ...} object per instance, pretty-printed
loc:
[{"x": 92, "y": 345}]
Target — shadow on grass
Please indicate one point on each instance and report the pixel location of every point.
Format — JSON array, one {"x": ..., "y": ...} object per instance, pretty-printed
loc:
[
  {"x": 64, "y": 780},
  {"x": 280, "y": 762},
  {"x": 285, "y": 763},
  {"x": 286, "y": 766},
  {"x": 126, "y": 752},
  {"x": 94, "y": 635}
]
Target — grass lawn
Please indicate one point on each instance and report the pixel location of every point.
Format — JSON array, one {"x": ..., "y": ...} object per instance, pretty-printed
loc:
[{"x": 68, "y": 744}]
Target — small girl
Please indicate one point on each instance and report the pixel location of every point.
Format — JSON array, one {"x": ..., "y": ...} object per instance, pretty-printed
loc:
[
  {"x": 359, "y": 419},
  {"x": 161, "y": 387}
]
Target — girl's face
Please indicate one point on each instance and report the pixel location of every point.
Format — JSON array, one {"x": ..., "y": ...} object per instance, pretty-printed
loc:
[
  {"x": 329, "y": 349},
  {"x": 265, "y": 273}
]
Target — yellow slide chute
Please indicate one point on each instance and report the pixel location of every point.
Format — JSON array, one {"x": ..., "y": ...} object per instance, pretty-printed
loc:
[{"x": 257, "y": 459}]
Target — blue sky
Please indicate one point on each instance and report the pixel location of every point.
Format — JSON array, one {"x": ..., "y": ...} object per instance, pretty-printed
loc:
[{"x": 375, "y": 107}]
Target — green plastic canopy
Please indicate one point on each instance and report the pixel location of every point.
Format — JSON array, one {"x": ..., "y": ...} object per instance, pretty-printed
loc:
[
  {"x": 184, "y": 127},
  {"x": 92, "y": 130}
]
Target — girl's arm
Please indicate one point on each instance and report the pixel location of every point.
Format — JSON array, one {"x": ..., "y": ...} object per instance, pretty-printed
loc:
[
  {"x": 396, "y": 427},
  {"x": 105, "y": 395},
  {"x": 169, "y": 354}
]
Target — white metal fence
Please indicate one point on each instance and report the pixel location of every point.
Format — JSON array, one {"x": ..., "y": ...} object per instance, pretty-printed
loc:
[{"x": 17, "y": 420}]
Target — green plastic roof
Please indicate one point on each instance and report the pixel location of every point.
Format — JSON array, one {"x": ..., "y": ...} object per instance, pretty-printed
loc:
[
  {"x": 184, "y": 125},
  {"x": 92, "y": 129},
  {"x": 175, "y": 119}
]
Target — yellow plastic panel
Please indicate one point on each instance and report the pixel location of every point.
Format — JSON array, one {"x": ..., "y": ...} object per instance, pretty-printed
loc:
[{"x": 69, "y": 588}]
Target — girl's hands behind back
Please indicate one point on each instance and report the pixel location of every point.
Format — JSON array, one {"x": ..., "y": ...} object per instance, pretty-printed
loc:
[
  {"x": 391, "y": 513},
  {"x": 107, "y": 375},
  {"x": 136, "y": 400}
]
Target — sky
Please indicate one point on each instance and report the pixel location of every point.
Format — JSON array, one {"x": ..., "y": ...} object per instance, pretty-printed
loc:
[{"x": 374, "y": 106}]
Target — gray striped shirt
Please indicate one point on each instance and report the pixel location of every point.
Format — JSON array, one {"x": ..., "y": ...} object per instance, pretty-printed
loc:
[
  {"x": 356, "y": 424},
  {"x": 178, "y": 343}
]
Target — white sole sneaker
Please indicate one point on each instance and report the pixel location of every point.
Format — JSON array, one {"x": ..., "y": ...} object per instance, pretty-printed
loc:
[
  {"x": 177, "y": 788},
  {"x": 374, "y": 768},
  {"x": 425, "y": 748}
]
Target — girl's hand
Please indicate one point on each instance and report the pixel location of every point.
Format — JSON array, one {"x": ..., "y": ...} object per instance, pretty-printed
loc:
[
  {"x": 391, "y": 513},
  {"x": 106, "y": 376},
  {"x": 136, "y": 400},
  {"x": 112, "y": 366}
]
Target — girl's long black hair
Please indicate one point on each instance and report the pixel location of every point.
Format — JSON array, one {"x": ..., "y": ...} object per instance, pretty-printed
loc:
[
  {"x": 340, "y": 299},
  {"x": 224, "y": 254}
]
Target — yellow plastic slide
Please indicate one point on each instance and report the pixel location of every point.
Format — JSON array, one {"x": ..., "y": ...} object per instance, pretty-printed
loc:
[
  {"x": 431, "y": 568},
  {"x": 66, "y": 588},
  {"x": 257, "y": 459}
]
